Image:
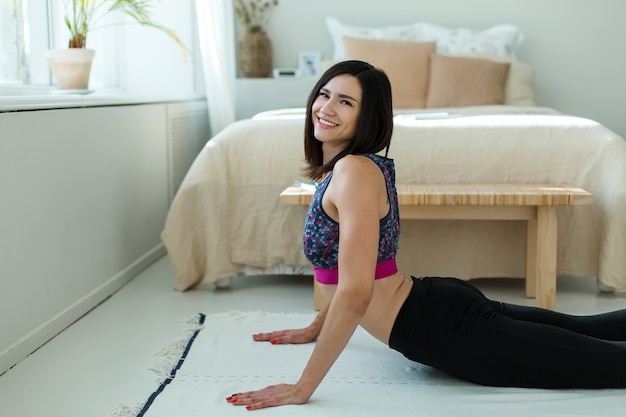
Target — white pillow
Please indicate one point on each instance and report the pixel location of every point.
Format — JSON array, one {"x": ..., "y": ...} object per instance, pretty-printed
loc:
[
  {"x": 500, "y": 40},
  {"x": 339, "y": 30}
]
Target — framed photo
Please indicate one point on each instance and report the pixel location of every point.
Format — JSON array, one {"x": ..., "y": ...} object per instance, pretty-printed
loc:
[{"x": 309, "y": 64}]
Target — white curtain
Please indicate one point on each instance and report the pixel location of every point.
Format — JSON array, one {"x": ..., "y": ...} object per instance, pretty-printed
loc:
[
  {"x": 217, "y": 45},
  {"x": 13, "y": 67}
]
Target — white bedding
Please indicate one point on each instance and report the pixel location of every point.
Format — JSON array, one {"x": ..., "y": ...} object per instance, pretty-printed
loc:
[{"x": 226, "y": 216}]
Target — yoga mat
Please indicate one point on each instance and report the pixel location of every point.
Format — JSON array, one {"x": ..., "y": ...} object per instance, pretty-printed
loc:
[{"x": 217, "y": 357}]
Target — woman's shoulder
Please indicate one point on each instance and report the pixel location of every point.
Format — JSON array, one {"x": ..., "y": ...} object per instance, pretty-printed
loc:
[
  {"x": 368, "y": 160},
  {"x": 356, "y": 172},
  {"x": 357, "y": 165}
]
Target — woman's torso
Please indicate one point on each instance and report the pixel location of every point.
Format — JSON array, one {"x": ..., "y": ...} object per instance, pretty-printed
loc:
[
  {"x": 388, "y": 297},
  {"x": 320, "y": 243}
]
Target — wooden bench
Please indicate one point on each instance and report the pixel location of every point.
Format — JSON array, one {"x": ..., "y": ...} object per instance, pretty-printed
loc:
[{"x": 535, "y": 203}]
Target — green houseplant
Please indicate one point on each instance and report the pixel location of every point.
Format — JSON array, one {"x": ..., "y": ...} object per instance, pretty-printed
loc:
[{"x": 71, "y": 66}]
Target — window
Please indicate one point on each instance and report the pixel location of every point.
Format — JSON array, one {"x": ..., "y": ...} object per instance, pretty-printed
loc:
[
  {"x": 24, "y": 36},
  {"x": 12, "y": 51},
  {"x": 31, "y": 27},
  {"x": 129, "y": 58}
]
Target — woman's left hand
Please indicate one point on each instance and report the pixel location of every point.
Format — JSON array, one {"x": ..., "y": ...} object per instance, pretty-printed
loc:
[
  {"x": 280, "y": 337},
  {"x": 271, "y": 396}
]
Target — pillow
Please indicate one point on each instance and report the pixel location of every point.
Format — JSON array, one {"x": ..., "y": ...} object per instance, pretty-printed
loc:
[
  {"x": 407, "y": 64},
  {"x": 460, "y": 81},
  {"x": 519, "y": 88},
  {"x": 339, "y": 30},
  {"x": 500, "y": 40},
  {"x": 520, "y": 85}
]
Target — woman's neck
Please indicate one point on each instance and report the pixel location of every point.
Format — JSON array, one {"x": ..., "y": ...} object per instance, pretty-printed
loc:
[{"x": 330, "y": 152}]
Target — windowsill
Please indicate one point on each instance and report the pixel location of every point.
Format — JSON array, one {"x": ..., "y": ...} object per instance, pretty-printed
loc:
[{"x": 50, "y": 98}]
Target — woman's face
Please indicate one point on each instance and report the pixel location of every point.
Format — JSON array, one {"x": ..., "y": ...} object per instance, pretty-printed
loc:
[{"x": 336, "y": 112}]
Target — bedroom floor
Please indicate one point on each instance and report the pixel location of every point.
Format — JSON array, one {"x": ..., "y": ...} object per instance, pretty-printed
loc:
[{"x": 103, "y": 360}]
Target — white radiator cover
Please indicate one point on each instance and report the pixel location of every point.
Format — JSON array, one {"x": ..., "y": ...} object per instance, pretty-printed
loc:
[
  {"x": 85, "y": 193},
  {"x": 188, "y": 127}
]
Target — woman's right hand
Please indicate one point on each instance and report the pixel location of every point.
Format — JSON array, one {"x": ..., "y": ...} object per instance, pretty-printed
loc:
[{"x": 281, "y": 337}]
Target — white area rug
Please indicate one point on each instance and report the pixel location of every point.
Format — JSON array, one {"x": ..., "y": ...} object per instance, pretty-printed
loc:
[{"x": 218, "y": 358}]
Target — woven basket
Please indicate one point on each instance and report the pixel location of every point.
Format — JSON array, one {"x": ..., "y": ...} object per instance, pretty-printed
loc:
[{"x": 255, "y": 55}]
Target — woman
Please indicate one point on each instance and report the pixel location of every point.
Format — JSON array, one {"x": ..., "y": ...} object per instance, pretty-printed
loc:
[{"x": 351, "y": 236}]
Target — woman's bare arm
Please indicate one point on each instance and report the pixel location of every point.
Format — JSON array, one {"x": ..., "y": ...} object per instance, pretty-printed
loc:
[{"x": 356, "y": 202}]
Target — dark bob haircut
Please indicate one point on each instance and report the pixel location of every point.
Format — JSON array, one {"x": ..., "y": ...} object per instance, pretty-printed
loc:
[{"x": 375, "y": 123}]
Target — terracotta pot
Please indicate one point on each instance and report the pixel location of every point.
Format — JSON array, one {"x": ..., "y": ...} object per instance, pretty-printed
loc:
[
  {"x": 71, "y": 67},
  {"x": 255, "y": 55}
]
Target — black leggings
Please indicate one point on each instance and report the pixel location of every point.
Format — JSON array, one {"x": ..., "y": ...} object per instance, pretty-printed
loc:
[{"x": 450, "y": 325}]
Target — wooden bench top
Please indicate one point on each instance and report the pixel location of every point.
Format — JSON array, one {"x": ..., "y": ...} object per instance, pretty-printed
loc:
[
  {"x": 469, "y": 195},
  {"x": 536, "y": 203}
]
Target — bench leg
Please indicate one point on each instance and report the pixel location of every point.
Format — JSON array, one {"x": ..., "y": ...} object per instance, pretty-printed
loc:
[
  {"x": 531, "y": 258},
  {"x": 318, "y": 297},
  {"x": 541, "y": 257}
]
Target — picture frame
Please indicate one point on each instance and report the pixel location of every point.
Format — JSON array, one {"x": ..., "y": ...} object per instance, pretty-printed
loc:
[{"x": 309, "y": 64}]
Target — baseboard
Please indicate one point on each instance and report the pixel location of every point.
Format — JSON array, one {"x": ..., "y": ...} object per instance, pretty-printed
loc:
[{"x": 38, "y": 337}]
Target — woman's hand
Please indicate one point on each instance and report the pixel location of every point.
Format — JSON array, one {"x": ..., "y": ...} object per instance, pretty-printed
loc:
[
  {"x": 280, "y": 337},
  {"x": 295, "y": 336},
  {"x": 271, "y": 396}
]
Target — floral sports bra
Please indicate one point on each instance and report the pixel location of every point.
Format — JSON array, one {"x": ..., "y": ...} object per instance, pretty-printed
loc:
[{"x": 320, "y": 240}]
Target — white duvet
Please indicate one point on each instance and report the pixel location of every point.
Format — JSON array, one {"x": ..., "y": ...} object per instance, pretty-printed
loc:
[{"x": 226, "y": 216}]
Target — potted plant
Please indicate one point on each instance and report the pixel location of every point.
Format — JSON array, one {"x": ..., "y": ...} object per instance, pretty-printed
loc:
[
  {"x": 255, "y": 47},
  {"x": 71, "y": 67}
]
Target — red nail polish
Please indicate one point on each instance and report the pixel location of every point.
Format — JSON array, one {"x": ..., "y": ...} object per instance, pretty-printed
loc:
[
  {"x": 229, "y": 399},
  {"x": 248, "y": 407},
  {"x": 273, "y": 341}
]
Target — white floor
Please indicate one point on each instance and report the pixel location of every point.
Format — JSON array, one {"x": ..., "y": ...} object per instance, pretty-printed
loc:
[{"x": 104, "y": 359}]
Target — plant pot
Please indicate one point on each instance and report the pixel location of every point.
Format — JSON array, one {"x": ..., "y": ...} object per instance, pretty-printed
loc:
[
  {"x": 255, "y": 55},
  {"x": 70, "y": 67}
]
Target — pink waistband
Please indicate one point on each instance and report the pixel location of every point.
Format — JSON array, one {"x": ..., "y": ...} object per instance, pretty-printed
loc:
[{"x": 331, "y": 276}]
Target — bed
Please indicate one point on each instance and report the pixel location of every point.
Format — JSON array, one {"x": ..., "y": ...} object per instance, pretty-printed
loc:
[{"x": 226, "y": 219}]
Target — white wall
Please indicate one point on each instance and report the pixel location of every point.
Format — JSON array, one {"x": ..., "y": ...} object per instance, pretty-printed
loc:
[{"x": 575, "y": 46}]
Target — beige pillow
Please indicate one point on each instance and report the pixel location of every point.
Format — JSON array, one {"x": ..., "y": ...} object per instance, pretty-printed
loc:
[
  {"x": 520, "y": 85},
  {"x": 519, "y": 89},
  {"x": 405, "y": 63},
  {"x": 460, "y": 81}
]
